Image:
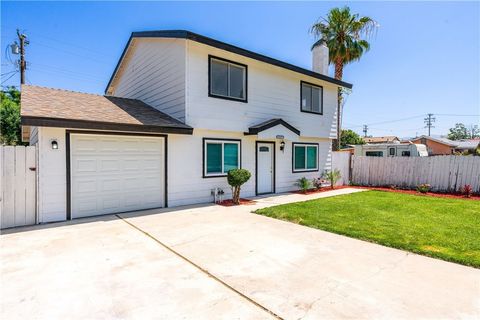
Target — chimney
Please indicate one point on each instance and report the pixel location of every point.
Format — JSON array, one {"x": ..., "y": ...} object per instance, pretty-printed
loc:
[{"x": 320, "y": 59}]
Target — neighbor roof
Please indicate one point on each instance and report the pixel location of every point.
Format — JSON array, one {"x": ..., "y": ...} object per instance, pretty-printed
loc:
[
  {"x": 468, "y": 144},
  {"x": 380, "y": 139},
  {"x": 183, "y": 34},
  {"x": 441, "y": 140},
  {"x": 49, "y": 107}
]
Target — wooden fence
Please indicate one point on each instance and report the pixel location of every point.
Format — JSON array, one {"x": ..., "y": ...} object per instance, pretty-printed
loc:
[
  {"x": 341, "y": 162},
  {"x": 443, "y": 173},
  {"x": 17, "y": 186}
]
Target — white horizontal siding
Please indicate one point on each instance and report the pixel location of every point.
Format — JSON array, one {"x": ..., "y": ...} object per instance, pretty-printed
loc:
[
  {"x": 273, "y": 92},
  {"x": 155, "y": 73},
  {"x": 185, "y": 167}
]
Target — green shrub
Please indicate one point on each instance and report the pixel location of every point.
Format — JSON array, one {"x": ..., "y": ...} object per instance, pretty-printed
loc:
[
  {"x": 333, "y": 177},
  {"x": 304, "y": 184},
  {"x": 236, "y": 178},
  {"x": 423, "y": 188}
]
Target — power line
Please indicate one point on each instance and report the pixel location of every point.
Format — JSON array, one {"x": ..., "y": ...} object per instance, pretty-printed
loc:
[
  {"x": 9, "y": 77},
  {"x": 457, "y": 115}
]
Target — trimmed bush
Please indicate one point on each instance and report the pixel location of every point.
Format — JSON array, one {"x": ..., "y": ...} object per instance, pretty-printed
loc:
[{"x": 236, "y": 178}]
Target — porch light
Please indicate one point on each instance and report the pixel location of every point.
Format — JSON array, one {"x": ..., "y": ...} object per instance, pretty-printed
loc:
[
  {"x": 282, "y": 145},
  {"x": 54, "y": 144}
]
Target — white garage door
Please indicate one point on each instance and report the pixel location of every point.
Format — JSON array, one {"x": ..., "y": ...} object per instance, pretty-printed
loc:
[{"x": 112, "y": 173}]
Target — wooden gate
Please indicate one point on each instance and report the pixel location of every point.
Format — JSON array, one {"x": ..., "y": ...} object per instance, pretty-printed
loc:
[{"x": 17, "y": 186}]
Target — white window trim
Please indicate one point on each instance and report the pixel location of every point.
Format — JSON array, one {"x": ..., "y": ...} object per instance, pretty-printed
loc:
[
  {"x": 297, "y": 144},
  {"x": 228, "y": 63},
  {"x": 222, "y": 142}
]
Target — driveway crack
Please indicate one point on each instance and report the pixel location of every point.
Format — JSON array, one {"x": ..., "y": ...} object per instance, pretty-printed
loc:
[{"x": 203, "y": 270}]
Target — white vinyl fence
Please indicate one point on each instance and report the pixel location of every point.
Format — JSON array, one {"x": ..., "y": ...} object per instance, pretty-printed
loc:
[
  {"x": 443, "y": 173},
  {"x": 341, "y": 161},
  {"x": 17, "y": 186}
]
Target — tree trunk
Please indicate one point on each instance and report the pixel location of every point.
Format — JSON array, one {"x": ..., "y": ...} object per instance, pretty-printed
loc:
[
  {"x": 338, "y": 76},
  {"x": 236, "y": 195}
]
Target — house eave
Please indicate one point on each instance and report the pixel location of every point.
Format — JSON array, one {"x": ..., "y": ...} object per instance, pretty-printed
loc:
[
  {"x": 187, "y": 35},
  {"x": 97, "y": 125}
]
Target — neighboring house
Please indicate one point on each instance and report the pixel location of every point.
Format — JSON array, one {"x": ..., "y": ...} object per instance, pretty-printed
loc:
[
  {"x": 180, "y": 111},
  {"x": 467, "y": 145},
  {"x": 386, "y": 139},
  {"x": 443, "y": 146}
]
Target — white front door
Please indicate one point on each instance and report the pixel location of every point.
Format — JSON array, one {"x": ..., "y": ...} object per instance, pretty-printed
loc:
[
  {"x": 114, "y": 173},
  {"x": 265, "y": 167}
]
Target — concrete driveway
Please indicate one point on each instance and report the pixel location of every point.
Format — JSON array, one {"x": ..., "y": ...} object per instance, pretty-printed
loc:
[{"x": 211, "y": 262}]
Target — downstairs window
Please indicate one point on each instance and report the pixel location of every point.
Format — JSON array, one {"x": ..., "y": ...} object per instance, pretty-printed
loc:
[
  {"x": 220, "y": 156},
  {"x": 305, "y": 157}
]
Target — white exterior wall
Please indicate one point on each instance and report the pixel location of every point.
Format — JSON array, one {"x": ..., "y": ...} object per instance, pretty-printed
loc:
[
  {"x": 186, "y": 184},
  {"x": 154, "y": 72},
  {"x": 51, "y": 193},
  {"x": 273, "y": 92}
]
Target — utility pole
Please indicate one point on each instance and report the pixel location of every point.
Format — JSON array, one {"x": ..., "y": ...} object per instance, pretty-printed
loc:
[
  {"x": 365, "y": 130},
  {"x": 22, "y": 38},
  {"x": 429, "y": 122}
]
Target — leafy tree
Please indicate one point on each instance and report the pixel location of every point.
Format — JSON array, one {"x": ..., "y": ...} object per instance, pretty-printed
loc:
[
  {"x": 350, "y": 137},
  {"x": 345, "y": 35},
  {"x": 10, "y": 130},
  {"x": 458, "y": 132}
]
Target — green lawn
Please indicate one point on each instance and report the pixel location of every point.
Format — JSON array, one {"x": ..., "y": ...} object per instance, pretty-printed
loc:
[{"x": 448, "y": 229}]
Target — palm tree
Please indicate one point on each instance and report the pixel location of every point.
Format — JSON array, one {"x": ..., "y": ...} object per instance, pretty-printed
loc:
[{"x": 344, "y": 34}]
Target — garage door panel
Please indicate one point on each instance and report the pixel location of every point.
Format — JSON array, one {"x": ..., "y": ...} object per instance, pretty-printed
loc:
[
  {"x": 110, "y": 165},
  {"x": 112, "y": 174},
  {"x": 85, "y": 165}
]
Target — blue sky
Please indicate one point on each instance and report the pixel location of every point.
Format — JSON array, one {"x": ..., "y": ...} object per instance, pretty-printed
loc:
[{"x": 424, "y": 58}]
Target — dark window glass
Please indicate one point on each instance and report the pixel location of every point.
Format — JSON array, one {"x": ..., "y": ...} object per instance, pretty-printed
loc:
[
  {"x": 219, "y": 78},
  {"x": 311, "y": 98},
  {"x": 214, "y": 158},
  {"x": 299, "y": 157},
  {"x": 374, "y": 153},
  {"x": 230, "y": 157},
  {"x": 237, "y": 82},
  {"x": 227, "y": 79}
]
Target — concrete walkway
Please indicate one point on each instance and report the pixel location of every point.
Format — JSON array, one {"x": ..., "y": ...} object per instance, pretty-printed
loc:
[{"x": 212, "y": 262}]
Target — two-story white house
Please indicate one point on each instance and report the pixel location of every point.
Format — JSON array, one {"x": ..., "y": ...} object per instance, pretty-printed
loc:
[{"x": 180, "y": 110}]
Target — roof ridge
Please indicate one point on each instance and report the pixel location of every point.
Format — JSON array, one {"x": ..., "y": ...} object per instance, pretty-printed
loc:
[{"x": 80, "y": 92}]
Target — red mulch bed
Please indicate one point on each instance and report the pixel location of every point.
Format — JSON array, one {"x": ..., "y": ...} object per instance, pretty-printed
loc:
[
  {"x": 229, "y": 202},
  {"x": 313, "y": 191},
  {"x": 428, "y": 194}
]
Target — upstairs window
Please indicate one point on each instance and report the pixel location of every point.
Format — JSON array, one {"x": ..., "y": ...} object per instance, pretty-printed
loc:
[
  {"x": 311, "y": 98},
  {"x": 305, "y": 157},
  {"x": 227, "y": 79},
  {"x": 220, "y": 156}
]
